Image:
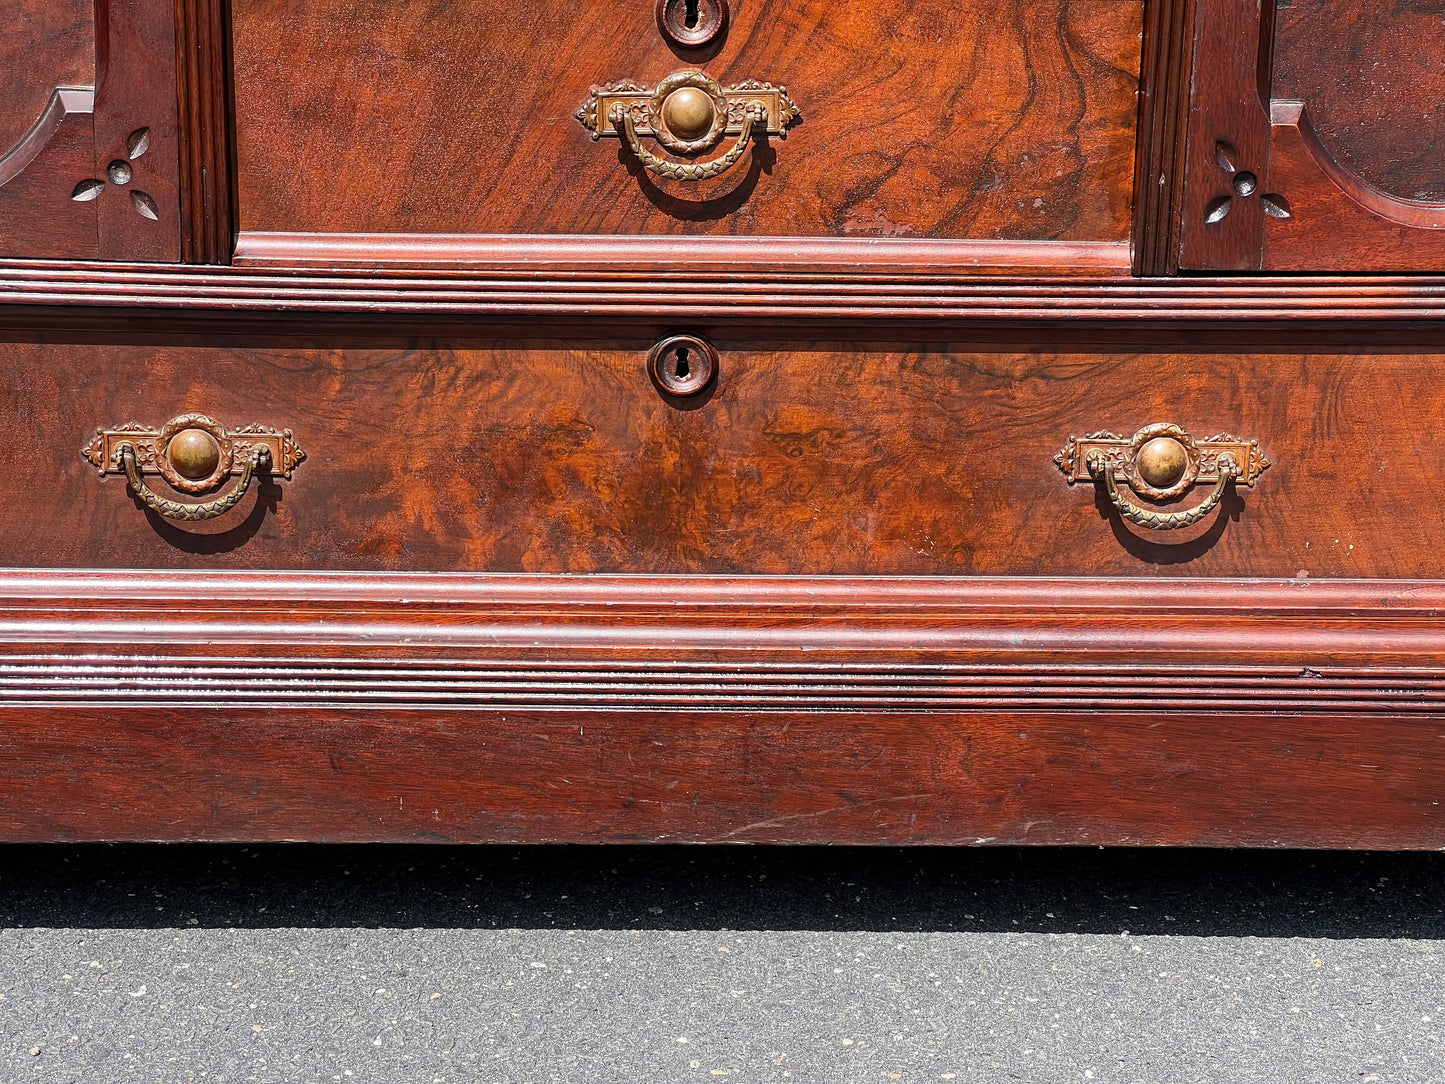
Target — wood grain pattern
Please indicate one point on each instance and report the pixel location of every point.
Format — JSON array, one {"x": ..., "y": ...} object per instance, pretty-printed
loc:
[
  {"x": 203, "y": 71},
  {"x": 931, "y": 119},
  {"x": 1228, "y": 134},
  {"x": 814, "y": 457},
  {"x": 1335, "y": 217},
  {"x": 110, "y": 140},
  {"x": 46, "y": 44},
  {"x": 868, "y": 778},
  {"x": 1188, "y": 760},
  {"x": 140, "y": 219},
  {"x": 1354, "y": 139},
  {"x": 1369, "y": 73},
  {"x": 860, "y": 604},
  {"x": 38, "y": 216},
  {"x": 1317, "y": 106},
  {"x": 1163, "y": 115}
]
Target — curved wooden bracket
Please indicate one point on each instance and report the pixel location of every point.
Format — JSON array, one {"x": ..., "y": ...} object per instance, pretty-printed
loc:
[
  {"x": 1335, "y": 212},
  {"x": 67, "y": 105},
  {"x": 96, "y": 175},
  {"x": 1262, "y": 190}
]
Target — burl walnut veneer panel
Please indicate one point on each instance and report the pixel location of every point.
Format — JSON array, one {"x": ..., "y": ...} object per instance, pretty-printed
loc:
[
  {"x": 934, "y": 118},
  {"x": 919, "y": 458}
]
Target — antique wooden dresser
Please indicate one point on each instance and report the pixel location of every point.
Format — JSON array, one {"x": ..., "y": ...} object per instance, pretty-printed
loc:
[{"x": 723, "y": 420}]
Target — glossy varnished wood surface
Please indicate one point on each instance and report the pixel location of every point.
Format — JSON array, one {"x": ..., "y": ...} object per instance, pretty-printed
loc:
[
  {"x": 1356, "y": 145},
  {"x": 861, "y": 778},
  {"x": 479, "y": 405},
  {"x": 109, "y": 133},
  {"x": 46, "y": 135},
  {"x": 1227, "y": 132},
  {"x": 1322, "y": 108},
  {"x": 46, "y": 44},
  {"x": 203, "y": 91},
  {"x": 536, "y": 289},
  {"x": 931, "y": 119},
  {"x": 809, "y": 457},
  {"x": 1164, "y": 102},
  {"x": 205, "y": 706}
]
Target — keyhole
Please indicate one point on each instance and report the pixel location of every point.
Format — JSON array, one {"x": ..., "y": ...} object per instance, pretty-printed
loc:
[
  {"x": 682, "y": 365},
  {"x": 690, "y": 23}
]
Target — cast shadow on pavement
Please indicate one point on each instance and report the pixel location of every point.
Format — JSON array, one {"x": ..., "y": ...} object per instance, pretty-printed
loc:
[{"x": 1037, "y": 890}]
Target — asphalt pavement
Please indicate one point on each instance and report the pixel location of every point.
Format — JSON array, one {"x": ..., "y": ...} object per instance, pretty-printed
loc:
[{"x": 436, "y": 964}]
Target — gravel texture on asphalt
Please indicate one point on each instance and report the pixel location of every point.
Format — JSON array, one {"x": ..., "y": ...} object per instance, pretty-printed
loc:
[{"x": 377, "y": 964}]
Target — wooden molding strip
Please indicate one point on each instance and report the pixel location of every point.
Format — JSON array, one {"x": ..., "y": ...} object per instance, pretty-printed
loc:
[
  {"x": 1164, "y": 83},
  {"x": 461, "y": 708},
  {"x": 203, "y": 66},
  {"x": 741, "y": 295},
  {"x": 342, "y": 683},
  {"x": 694, "y": 254},
  {"x": 721, "y": 643}
]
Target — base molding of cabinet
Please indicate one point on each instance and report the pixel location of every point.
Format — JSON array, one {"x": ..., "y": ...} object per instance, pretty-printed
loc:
[{"x": 201, "y": 706}]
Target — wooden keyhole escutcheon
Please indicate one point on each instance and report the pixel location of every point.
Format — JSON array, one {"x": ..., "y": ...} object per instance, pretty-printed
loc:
[{"x": 682, "y": 365}]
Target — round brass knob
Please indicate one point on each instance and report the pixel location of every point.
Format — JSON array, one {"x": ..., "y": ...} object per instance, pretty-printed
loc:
[
  {"x": 194, "y": 453},
  {"x": 688, "y": 113},
  {"x": 1162, "y": 462}
]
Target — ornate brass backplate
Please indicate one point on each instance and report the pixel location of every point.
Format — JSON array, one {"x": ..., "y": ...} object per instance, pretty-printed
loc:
[
  {"x": 226, "y": 452},
  {"x": 1201, "y": 460},
  {"x": 644, "y": 106},
  {"x": 1161, "y": 461}
]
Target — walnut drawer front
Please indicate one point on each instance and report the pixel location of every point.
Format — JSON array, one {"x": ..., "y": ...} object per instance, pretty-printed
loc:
[
  {"x": 925, "y": 119},
  {"x": 799, "y": 458}
]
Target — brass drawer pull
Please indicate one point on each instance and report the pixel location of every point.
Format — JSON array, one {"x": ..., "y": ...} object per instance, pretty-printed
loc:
[
  {"x": 193, "y": 453},
  {"x": 258, "y": 458},
  {"x": 688, "y": 112},
  {"x": 686, "y": 171},
  {"x": 1100, "y": 467},
  {"x": 1161, "y": 461}
]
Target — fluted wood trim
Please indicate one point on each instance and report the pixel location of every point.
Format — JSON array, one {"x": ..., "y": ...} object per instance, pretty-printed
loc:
[
  {"x": 1163, "y": 114},
  {"x": 203, "y": 65}
]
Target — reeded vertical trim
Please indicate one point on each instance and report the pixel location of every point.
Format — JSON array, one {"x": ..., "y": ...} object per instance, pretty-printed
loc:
[
  {"x": 1159, "y": 157},
  {"x": 203, "y": 66}
]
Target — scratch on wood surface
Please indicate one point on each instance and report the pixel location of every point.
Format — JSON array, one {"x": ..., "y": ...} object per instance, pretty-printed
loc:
[{"x": 776, "y": 821}]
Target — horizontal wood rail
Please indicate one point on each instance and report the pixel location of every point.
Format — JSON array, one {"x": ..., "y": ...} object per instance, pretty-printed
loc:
[
  {"x": 518, "y": 292},
  {"x": 168, "y": 705}
]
